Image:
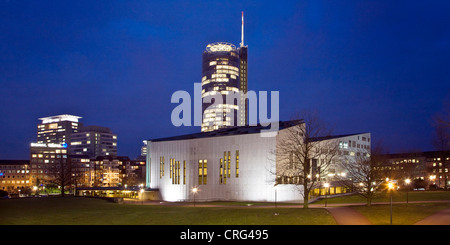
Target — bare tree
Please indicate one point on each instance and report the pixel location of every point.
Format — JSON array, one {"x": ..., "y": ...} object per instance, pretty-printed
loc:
[
  {"x": 60, "y": 173},
  {"x": 441, "y": 142},
  {"x": 362, "y": 171},
  {"x": 303, "y": 153}
]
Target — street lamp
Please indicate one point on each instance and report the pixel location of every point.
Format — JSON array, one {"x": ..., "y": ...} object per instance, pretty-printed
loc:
[
  {"x": 275, "y": 187},
  {"x": 142, "y": 196},
  {"x": 407, "y": 181},
  {"x": 390, "y": 188},
  {"x": 194, "y": 190},
  {"x": 327, "y": 186}
]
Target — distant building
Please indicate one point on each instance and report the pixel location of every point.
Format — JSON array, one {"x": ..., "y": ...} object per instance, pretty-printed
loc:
[
  {"x": 430, "y": 166},
  {"x": 144, "y": 149},
  {"x": 57, "y": 129},
  {"x": 82, "y": 170},
  {"x": 93, "y": 141},
  {"x": 15, "y": 176},
  {"x": 45, "y": 159},
  {"x": 113, "y": 171}
]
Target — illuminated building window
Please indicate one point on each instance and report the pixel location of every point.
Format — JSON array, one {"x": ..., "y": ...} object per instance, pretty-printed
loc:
[
  {"x": 171, "y": 172},
  {"x": 184, "y": 172},
  {"x": 205, "y": 171},
  {"x": 237, "y": 164},
  {"x": 202, "y": 172},
  {"x": 161, "y": 167},
  {"x": 221, "y": 172},
  {"x": 178, "y": 172},
  {"x": 229, "y": 164}
]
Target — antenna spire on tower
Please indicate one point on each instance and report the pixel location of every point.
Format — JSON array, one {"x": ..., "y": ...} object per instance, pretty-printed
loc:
[{"x": 242, "y": 30}]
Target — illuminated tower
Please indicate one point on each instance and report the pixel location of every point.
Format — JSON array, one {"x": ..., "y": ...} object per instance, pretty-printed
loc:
[{"x": 224, "y": 76}]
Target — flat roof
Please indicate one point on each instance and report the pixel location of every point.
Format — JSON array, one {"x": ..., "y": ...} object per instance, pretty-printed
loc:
[
  {"x": 229, "y": 131},
  {"x": 59, "y": 118},
  {"x": 14, "y": 162},
  {"x": 245, "y": 130},
  {"x": 335, "y": 136}
]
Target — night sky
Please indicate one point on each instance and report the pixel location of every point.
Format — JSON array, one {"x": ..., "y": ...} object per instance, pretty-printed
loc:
[{"x": 366, "y": 66}]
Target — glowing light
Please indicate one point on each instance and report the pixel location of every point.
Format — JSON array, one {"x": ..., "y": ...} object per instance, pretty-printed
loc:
[
  {"x": 390, "y": 186},
  {"x": 60, "y": 118},
  {"x": 220, "y": 47},
  {"x": 53, "y": 145}
]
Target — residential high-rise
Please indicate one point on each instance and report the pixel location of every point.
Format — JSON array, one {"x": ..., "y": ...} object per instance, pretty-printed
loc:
[{"x": 224, "y": 85}]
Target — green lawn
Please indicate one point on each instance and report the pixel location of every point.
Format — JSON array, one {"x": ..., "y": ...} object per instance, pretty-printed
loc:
[
  {"x": 90, "y": 211},
  {"x": 398, "y": 196},
  {"x": 402, "y": 214}
]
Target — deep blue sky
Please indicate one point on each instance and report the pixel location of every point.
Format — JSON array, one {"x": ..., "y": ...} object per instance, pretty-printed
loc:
[{"x": 367, "y": 66}]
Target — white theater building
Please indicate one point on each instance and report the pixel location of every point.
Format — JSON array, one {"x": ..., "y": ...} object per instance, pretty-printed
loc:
[{"x": 232, "y": 164}]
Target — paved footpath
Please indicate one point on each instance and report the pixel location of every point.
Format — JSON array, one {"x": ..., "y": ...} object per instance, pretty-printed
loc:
[
  {"x": 439, "y": 218},
  {"x": 348, "y": 216}
]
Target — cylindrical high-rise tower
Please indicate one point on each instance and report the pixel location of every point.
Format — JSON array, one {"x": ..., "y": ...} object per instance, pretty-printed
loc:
[
  {"x": 220, "y": 77},
  {"x": 224, "y": 76}
]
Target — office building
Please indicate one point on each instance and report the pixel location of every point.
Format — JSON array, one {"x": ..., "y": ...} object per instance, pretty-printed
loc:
[
  {"x": 429, "y": 168},
  {"x": 224, "y": 85},
  {"x": 93, "y": 141},
  {"x": 46, "y": 159},
  {"x": 57, "y": 129},
  {"x": 15, "y": 176}
]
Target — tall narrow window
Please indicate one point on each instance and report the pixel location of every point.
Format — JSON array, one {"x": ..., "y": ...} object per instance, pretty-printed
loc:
[
  {"x": 205, "y": 172},
  {"x": 200, "y": 171},
  {"x": 229, "y": 164},
  {"x": 171, "y": 169},
  {"x": 237, "y": 164},
  {"x": 221, "y": 172},
  {"x": 184, "y": 172},
  {"x": 160, "y": 167},
  {"x": 225, "y": 167},
  {"x": 178, "y": 172},
  {"x": 163, "y": 166}
]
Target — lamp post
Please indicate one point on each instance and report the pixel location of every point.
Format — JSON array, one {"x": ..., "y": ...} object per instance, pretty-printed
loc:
[
  {"x": 390, "y": 188},
  {"x": 327, "y": 186},
  {"x": 194, "y": 190},
  {"x": 275, "y": 187},
  {"x": 407, "y": 181},
  {"x": 142, "y": 196}
]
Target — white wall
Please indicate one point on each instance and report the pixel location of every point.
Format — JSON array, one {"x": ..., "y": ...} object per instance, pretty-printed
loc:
[
  {"x": 256, "y": 169},
  {"x": 256, "y": 175}
]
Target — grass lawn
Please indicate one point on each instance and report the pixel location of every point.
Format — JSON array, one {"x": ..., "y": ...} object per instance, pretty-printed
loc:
[
  {"x": 90, "y": 211},
  {"x": 402, "y": 214},
  {"x": 398, "y": 196}
]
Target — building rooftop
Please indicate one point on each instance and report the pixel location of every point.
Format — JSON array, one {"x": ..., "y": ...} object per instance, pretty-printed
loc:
[
  {"x": 244, "y": 130},
  {"x": 334, "y": 136},
  {"x": 429, "y": 154},
  {"x": 229, "y": 131},
  {"x": 60, "y": 118},
  {"x": 14, "y": 162}
]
